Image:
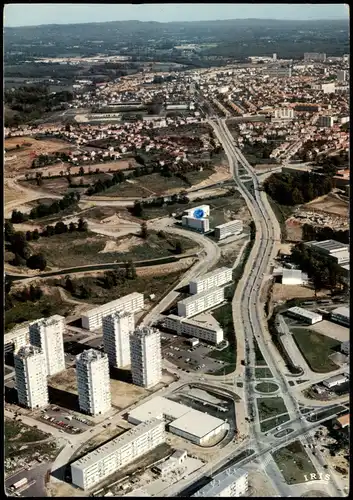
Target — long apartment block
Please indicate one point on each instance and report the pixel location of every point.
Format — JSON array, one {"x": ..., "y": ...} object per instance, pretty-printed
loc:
[
  {"x": 92, "y": 468},
  {"x": 210, "y": 280},
  {"x": 201, "y": 302},
  {"x": 92, "y": 319},
  {"x": 203, "y": 327}
]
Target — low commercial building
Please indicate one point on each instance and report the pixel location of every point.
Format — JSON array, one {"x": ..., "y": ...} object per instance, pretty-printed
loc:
[
  {"x": 304, "y": 315},
  {"x": 198, "y": 428},
  {"x": 232, "y": 482},
  {"x": 335, "y": 381},
  {"x": 228, "y": 229},
  {"x": 92, "y": 319},
  {"x": 198, "y": 303},
  {"x": 210, "y": 280},
  {"x": 194, "y": 425},
  {"x": 292, "y": 277},
  {"x": 201, "y": 225},
  {"x": 341, "y": 316},
  {"x": 172, "y": 463},
  {"x": 97, "y": 465},
  {"x": 204, "y": 327},
  {"x": 330, "y": 248}
]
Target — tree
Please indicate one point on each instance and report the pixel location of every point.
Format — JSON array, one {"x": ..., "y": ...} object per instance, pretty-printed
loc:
[
  {"x": 137, "y": 209},
  {"x": 144, "y": 231},
  {"x": 60, "y": 228},
  {"x": 81, "y": 171},
  {"x": 70, "y": 285},
  {"x": 35, "y": 235},
  {"x": 178, "y": 247},
  {"x": 130, "y": 270},
  {"x": 82, "y": 225},
  {"x": 72, "y": 227},
  {"x": 28, "y": 236},
  {"x": 37, "y": 262},
  {"x": 9, "y": 231}
]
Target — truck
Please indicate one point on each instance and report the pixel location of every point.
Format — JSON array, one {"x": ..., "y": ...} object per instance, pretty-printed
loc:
[{"x": 20, "y": 483}]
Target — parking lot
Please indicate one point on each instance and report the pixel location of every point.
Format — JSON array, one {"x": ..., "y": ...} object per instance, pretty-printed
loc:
[
  {"x": 62, "y": 418},
  {"x": 178, "y": 351}
]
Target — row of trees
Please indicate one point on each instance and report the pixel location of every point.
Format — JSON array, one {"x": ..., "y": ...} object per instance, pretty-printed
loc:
[
  {"x": 100, "y": 186},
  {"x": 42, "y": 210},
  {"x": 44, "y": 160},
  {"x": 310, "y": 233},
  {"x": 323, "y": 271},
  {"x": 160, "y": 201},
  {"x": 297, "y": 188}
]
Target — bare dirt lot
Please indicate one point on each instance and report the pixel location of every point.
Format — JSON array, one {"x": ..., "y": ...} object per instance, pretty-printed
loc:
[
  {"x": 65, "y": 381},
  {"x": 287, "y": 292},
  {"x": 330, "y": 204},
  {"x": 332, "y": 330}
]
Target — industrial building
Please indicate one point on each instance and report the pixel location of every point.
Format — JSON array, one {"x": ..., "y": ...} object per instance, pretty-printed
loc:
[
  {"x": 228, "y": 229},
  {"x": 15, "y": 339},
  {"x": 92, "y": 468},
  {"x": 304, "y": 315},
  {"x": 345, "y": 347},
  {"x": 194, "y": 425},
  {"x": 293, "y": 277},
  {"x": 232, "y": 482},
  {"x": 146, "y": 357},
  {"x": 48, "y": 335},
  {"x": 210, "y": 280},
  {"x": 198, "y": 303},
  {"x": 93, "y": 382},
  {"x": 116, "y": 337},
  {"x": 204, "y": 327},
  {"x": 92, "y": 319},
  {"x": 330, "y": 248},
  {"x": 334, "y": 381},
  {"x": 31, "y": 377},
  {"x": 341, "y": 316}
]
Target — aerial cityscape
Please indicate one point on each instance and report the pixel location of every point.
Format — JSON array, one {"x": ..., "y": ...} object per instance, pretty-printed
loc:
[{"x": 176, "y": 250}]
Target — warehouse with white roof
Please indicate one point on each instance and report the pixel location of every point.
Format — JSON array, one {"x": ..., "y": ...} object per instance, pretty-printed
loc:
[
  {"x": 341, "y": 316},
  {"x": 304, "y": 315},
  {"x": 193, "y": 425}
]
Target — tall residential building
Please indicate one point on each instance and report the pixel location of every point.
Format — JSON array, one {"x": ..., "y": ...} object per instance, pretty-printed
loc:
[
  {"x": 341, "y": 75},
  {"x": 102, "y": 462},
  {"x": 92, "y": 319},
  {"x": 146, "y": 357},
  {"x": 116, "y": 337},
  {"x": 47, "y": 333},
  {"x": 93, "y": 382},
  {"x": 31, "y": 377},
  {"x": 15, "y": 339}
]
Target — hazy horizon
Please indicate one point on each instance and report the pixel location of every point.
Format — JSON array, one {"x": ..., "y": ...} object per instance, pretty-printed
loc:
[{"x": 21, "y": 15}]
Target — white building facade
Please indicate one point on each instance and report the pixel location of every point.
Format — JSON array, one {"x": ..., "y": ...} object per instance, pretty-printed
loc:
[
  {"x": 232, "y": 482},
  {"x": 15, "y": 339},
  {"x": 201, "y": 225},
  {"x": 31, "y": 377},
  {"x": 198, "y": 303},
  {"x": 210, "y": 280},
  {"x": 228, "y": 229},
  {"x": 341, "y": 315},
  {"x": 193, "y": 328},
  {"x": 91, "y": 469},
  {"x": 116, "y": 337},
  {"x": 146, "y": 357},
  {"x": 304, "y": 315},
  {"x": 93, "y": 382},
  {"x": 48, "y": 335},
  {"x": 92, "y": 319}
]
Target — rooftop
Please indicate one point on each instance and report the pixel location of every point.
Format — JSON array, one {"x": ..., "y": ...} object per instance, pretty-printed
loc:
[
  {"x": 52, "y": 320},
  {"x": 230, "y": 223},
  {"x": 342, "y": 311},
  {"x": 220, "y": 482},
  {"x": 90, "y": 355},
  {"x": 206, "y": 293},
  {"x": 197, "y": 423},
  {"x": 291, "y": 273},
  {"x": 145, "y": 331},
  {"x": 28, "y": 350},
  {"x": 113, "y": 303},
  {"x": 344, "y": 420},
  {"x": 157, "y": 408},
  {"x": 328, "y": 245},
  {"x": 304, "y": 312},
  {"x": 110, "y": 447},
  {"x": 203, "y": 277}
]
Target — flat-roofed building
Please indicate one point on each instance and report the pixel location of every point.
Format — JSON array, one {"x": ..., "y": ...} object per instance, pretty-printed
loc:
[
  {"x": 345, "y": 347},
  {"x": 210, "y": 280},
  {"x": 292, "y": 277},
  {"x": 232, "y": 482},
  {"x": 117, "y": 328},
  {"x": 201, "y": 225},
  {"x": 228, "y": 229},
  {"x": 146, "y": 356},
  {"x": 203, "y": 326},
  {"x": 304, "y": 315},
  {"x": 341, "y": 315},
  {"x": 335, "y": 381},
  {"x": 93, "y": 318},
  {"x": 31, "y": 377},
  {"x": 158, "y": 407},
  {"x": 48, "y": 335},
  {"x": 15, "y": 339},
  {"x": 331, "y": 248},
  {"x": 99, "y": 464},
  {"x": 201, "y": 302},
  {"x": 198, "y": 427}
]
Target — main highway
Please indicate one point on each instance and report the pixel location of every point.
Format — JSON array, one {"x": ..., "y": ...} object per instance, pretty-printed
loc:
[{"x": 250, "y": 322}]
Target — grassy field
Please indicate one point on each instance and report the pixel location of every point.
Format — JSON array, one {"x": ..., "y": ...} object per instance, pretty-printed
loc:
[
  {"x": 293, "y": 462},
  {"x": 316, "y": 349},
  {"x": 77, "y": 249},
  {"x": 225, "y": 318},
  {"x": 273, "y": 422},
  {"x": 59, "y": 185},
  {"x": 270, "y": 407},
  {"x": 263, "y": 373},
  {"x": 266, "y": 387},
  {"x": 148, "y": 285}
]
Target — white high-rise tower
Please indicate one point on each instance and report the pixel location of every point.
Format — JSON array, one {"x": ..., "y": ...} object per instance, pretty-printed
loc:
[
  {"x": 93, "y": 383},
  {"x": 116, "y": 337},
  {"x": 146, "y": 357},
  {"x": 47, "y": 333},
  {"x": 31, "y": 377}
]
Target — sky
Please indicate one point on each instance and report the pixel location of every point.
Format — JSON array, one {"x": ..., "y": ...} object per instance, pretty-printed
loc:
[{"x": 35, "y": 14}]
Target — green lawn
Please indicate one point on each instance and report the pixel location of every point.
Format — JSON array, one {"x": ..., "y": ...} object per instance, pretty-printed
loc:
[
  {"x": 270, "y": 407},
  {"x": 316, "y": 349},
  {"x": 266, "y": 387},
  {"x": 263, "y": 373},
  {"x": 293, "y": 461},
  {"x": 273, "y": 422},
  {"x": 224, "y": 316}
]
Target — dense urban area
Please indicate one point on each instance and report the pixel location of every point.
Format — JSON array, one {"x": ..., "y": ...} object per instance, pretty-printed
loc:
[{"x": 177, "y": 259}]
